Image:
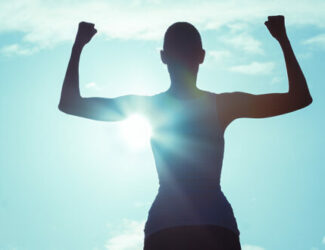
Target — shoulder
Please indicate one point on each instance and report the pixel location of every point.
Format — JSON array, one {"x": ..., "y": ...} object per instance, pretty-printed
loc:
[
  {"x": 158, "y": 95},
  {"x": 226, "y": 103},
  {"x": 228, "y": 95},
  {"x": 225, "y": 96},
  {"x": 229, "y": 100}
]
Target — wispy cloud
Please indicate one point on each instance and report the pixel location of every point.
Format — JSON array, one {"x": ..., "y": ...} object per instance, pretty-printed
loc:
[
  {"x": 47, "y": 23},
  {"x": 16, "y": 49},
  {"x": 277, "y": 79},
  {"x": 92, "y": 86},
  {"x": 254, "y": 68},
  {"x": 316, "y": 40},
  {"x": 130, "y": 237},
  {"x": 317, "y": 248},
  {"x": 252, "y": 247},
  {"x": 244, "y": 42},
  {"x": 219, "y": 55}
]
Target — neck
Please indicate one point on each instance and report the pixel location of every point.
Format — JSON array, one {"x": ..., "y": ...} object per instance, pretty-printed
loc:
[{"x": 183, "y": 81}]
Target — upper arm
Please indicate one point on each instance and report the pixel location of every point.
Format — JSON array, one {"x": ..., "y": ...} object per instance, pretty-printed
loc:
[
  {"x": 243, "y": 105},
  {"x": 106, "y": 109}
]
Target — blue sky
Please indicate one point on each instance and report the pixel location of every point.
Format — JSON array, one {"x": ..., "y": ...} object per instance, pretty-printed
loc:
[{"x": 73, "y": 183}]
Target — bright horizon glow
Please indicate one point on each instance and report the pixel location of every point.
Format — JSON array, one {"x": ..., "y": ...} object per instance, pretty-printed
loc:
[{"x": 136, "y": 131}]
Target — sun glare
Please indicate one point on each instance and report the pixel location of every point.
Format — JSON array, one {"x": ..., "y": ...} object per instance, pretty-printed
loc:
[{"x": 137, "y": 131}]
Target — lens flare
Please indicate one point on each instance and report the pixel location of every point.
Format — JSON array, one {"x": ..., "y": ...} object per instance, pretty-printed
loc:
[{"x": 137, "y": 131}]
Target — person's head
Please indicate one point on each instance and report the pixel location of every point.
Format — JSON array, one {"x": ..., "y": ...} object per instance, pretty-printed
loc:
[{"x": 182, "y": 46}]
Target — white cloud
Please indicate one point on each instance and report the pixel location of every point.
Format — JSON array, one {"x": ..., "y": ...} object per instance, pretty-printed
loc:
[
  {"x": 16, "y": 49},
  {"x": 238, "y": 27},
  {"x": 130, "y": 237},
  {"x": 219, "y": 55},
  {"x": 244, "y": 42},
  {"x": 47, "y": 23},
  {"x": 252, "y": 247},
  {"x": 323, "y": 241},
  {"x": 316, "y": 40},
  {"x": 254, "y": 68},
  {"x": 277, "y": 79},
  {"x": 92, "y": 85}
]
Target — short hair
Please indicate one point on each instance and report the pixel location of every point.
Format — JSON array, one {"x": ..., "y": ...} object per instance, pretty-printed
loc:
[{"x": 182, "y": 39}]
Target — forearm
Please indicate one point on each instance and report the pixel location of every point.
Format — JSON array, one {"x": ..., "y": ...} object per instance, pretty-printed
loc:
[
  {"x": 297, "y": 82},
  {"x": 70, "y": 89}
]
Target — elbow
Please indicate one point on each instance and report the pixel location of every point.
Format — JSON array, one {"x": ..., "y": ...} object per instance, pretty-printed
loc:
[
  {"x": 69, "y": 102},
  {"x": 60, "y": 106},
  {"x": 72, "y": 107},
  {"x": 63, "y": 108},
  {"x": 307, "y": 100},
  {"x": 304, "y": 102},
  {"x": 66, "y": 107}
]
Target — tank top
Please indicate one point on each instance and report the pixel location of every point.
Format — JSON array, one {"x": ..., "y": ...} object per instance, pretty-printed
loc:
[{"x": 188, "y": 148}]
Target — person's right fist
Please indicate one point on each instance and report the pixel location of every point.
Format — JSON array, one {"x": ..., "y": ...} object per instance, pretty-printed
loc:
[
  {"x": 276, "y": 26},
  {"x": 85, "y": 32}
]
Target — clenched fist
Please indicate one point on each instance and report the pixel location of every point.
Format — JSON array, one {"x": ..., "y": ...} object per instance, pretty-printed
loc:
[
  {"x": 85, "y": 32},
  {"x": 276, "y": 26}
]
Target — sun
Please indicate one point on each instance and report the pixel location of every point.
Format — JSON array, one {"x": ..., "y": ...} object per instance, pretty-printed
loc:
[{"x": 136, "y": 130}]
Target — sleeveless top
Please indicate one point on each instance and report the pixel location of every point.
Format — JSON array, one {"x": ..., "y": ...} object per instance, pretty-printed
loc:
[{"x": 188, "y": 147}]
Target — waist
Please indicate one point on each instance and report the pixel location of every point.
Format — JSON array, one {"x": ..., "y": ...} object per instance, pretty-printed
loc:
[
  {"x": 189, "y": 184},
  {"x": 193, "y": 207}
]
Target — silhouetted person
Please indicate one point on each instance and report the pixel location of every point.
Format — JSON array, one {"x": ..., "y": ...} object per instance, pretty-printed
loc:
[{"x": 190, "y": 211}]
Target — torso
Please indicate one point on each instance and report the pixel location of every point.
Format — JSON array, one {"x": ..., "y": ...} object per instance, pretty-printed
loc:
[{"x": 188, "y": 147}]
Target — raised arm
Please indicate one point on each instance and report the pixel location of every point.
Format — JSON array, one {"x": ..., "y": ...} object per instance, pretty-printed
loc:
[
  {"x": 103, "y": 109},
  {"x": 238, "y": 104}
]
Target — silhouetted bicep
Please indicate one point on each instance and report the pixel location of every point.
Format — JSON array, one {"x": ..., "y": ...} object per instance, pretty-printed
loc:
[
  {"x": 243, "y": 105},
  {"x": 107, "y": 109}
]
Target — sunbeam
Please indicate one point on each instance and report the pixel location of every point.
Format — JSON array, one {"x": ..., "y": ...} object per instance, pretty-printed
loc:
[{"x": 136, "y": 131}]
